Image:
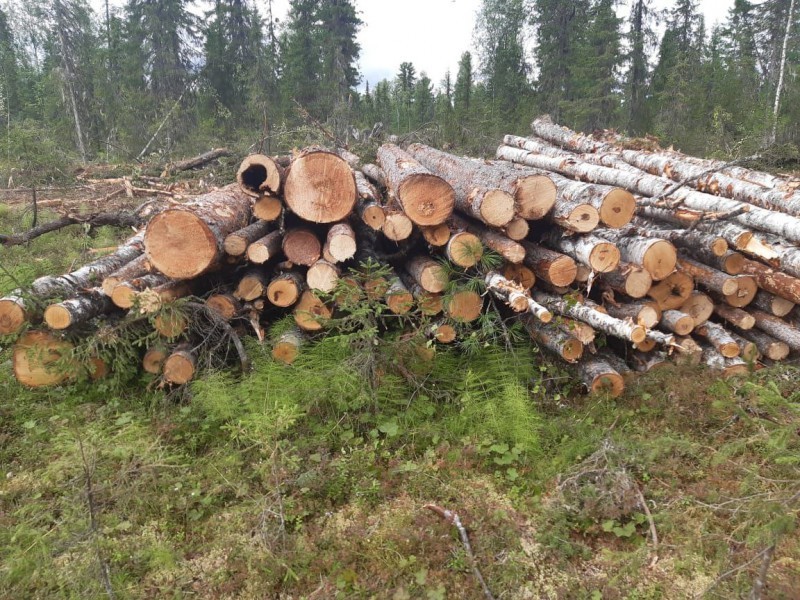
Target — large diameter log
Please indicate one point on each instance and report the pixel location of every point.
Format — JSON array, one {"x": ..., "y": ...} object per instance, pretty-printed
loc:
[
  {"x": 285, "y": 288},
  {"x": 267, "y": 208},
  {"x": 78, "y": 310},
  {"x": 322, "y": 276},
  {"x": 311, "y": 313},
  {"x": 735, "y": 316},
  {"x": 769, "y": 346},
  {"x": 600, "y": 377},
  {"x": 12, "y": 314},
  {"x": 301, "y": 246},
  {"x": 186, "y": 241},
  {"x": 655, "y": 255},
  {"x": 320, "y": 187},
  {"x": 138, "y": 267},
  {"x": 596, "y": 253},
  {"x": 720, "y": 339},
  {"x": 463, "y": 306},
  {"x": 180, "y": 366},
  {"x": 647, "y": 314},
  {"x": 38, "y": 359},
  {"x": 551, "y": 337},
  {"x": 236, "y": 243},
  {"x": 615, "y": 207},
  {"x": 259, "y": 174},
  {"x": 592, "y": 316},
  {"x": 265, "y": 248},
  {"x": 775, "y": 282},
  {"x": 575, "y": 216},
  {"x": 425, "y": 198},
  {"x": 553, "y": 267},
  {"x": 287, "y": 347},
  {"x": 769, "y": 303},
  {"x": 340, "y": 243},
  {"x": 677, "y": 322},
  {"x": 778, "y": 328},
  {"x": 700, "y": 307},
  {"x": 124, "y": 294},
  {"x": 672, "y": 291},
  {"x": 428, "y": 273},
  {"x": 629, "y": 279},
  {"x": 464, "y": 249}
]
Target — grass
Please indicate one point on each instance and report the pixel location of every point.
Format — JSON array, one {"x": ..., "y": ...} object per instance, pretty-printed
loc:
[{"x": 308, "y": 482}]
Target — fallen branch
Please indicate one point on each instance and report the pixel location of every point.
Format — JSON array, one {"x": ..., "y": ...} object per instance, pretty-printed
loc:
[
  {"x": 652, "y": 524},
  {"x": 115, "y": 219},
  {"x": 195, "y": 162}
]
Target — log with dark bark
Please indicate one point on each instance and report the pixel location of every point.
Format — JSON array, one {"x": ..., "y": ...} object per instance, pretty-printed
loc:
[
  {"x": 126, "y": 219},
  {"x": 778, "y": 328},
  {"x": 510, "y": 250},
  {"x": 266, "y": 248},
  {"x": 769, "y": 303},
  {"x": 769, "y": 346},
  {"x": 370, "y": 205},
  {"x": 600, "y": 377},
  {"x": 552, "y": 338},
  {"x": 735, "y": 316},
  {"x": 644, "y": 313},
  {"x": 320, "y": 187},
  {"x": 429, "y": 303},
  {"x": 259, "y": 175},
  {"x": 774, "y": 282},
  {"x": 236, "y": 243},
  {"x": 517, "y": 229},
  {"x": 195, "y": 162},
  {"x": 549, "y": 265}
]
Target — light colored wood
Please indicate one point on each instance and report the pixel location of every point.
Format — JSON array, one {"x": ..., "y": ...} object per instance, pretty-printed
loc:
[
  {"x": 267, "y": 208},
  {"x": 39, "y": 359},
  {"x": 778, "y": 328},
  {"x": 592, "y": 316},
  {"x": 600, "y": 377},
  {"x": 517, "y": 229},
  {"x": 463, "y": 305},
  {"x": 677, "y": 322},
  {"x": 644, "y": 313},
  {"x": 322, "y": 276},
  {"x": 265, "y": 248},
  {"x": 444, "y": 332},
  {"x": 285, "y": 288},
  {"x": 170, "y": 324},
  {"x": 672, "y": 291},
  {"x": 320, "y": 187},
  {"x": 437, "y": 235},
  {"x": 551, "y": 266},
  {"x": 236, "y": 243},
  {"x": 252, "y": 285},
  {"x": 138, "y": 267},
  {"x": 720, "y": 339},
  {"x": 428, "y": 273},
  {"x": 180, "y": 366},
  {"x": 78, "y": 310},
  {"x": 596, "y": 253},
  {"x": 551, "y": 337},
  {"x": 775, "y": 282},
  {"x": 699, "y": 306},
  {"x": 520, "y": 274},
  {"x": 287, "y": 347},
  {"x": 397, "y": 226},
  {"x": 767, "y": 345},
  {"x": 340, "y": 243},
  {"x": 464, "y": 249},
  {"x": 735, "y": 316},
  {"x": 153, "y": 361},
  {"x": 310, "y": 313},
  {"x": 225, "y": 305},
  {"x": 301, "y": 246},
  {"x": 629, "y": 279},
  {"x": 398, "y": 298},
  {"x": 12, "y": 314},
  {"x": 125, "y": 294},
  {"x": 769, "y": 303}
]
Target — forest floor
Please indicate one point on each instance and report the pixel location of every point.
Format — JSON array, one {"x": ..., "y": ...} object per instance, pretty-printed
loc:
[{"x": 307, "y": 481}]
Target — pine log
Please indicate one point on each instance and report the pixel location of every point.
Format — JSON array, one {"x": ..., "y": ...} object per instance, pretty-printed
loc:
[
  {"x": 520, "y": 274},
  {"x": 263, "y": 249},
  {"x": 437, "y": 235},
  {"x": 397, "y": 226},
  {"x": 464, "y": 249},
  {"x": 552, "y": 338},
  {"x": 629, "y": 279},
  {"x": 398, "y": 298},
  {"x": 267, "y": 208},
  {"x": 615, "y": 207},
  {"x": 592, "y": 316},
  {"x": 644, "y": 313},
  {"x": 13, "y": 315},
  {"x": 428, "y": 273},
  {"x": 375, "y": 174},
  {"x": 227, "y": 306},
  {"x": 320, "y": 186},
  {"x": 730, "y": 367},
  {"x": 735, "y": 316},
  {"x": 287, "y": 347},
  {"x": 769, "y": 346},
  {"x": 769, "y": 303},
  {"x": 677, "y": 322},
  {"x": 236, "y": 243},
  {"x": 285, "y": 288},
  {"x": 749, "y": 350},
  {"x": 596, "y": 253},
  {"x": 425, "y": 198},
  {"x": 699, "y": 306},
  {"x": 600, "y": 377},
  {"x": 463, "y": 306},
  {"x": 259, "y": 174},
  {"x": 125, "y": 294},
  {"x": 517, "y": 229},
  {"x": 252, "y": 285},
  {"x": 180, "y": 366},
  {"x": 322, "y": 276},
  {"x": 549, "y": 265},
  {"x": 775, "y": 282},
  {"x": 154, "y": 357},
  {"x": 370, "y": 205},
  {"x": 778, "y": 328},
  {"x": 40, "y": 359},
  {"x": 720, "y": 339},
  {"x": 672, "y": 291},
  {"x": 310, "y": 313},
  {"x": 138, "y": 267},
  {"x": 186, "y": 241},
  {"x": 301, "y": 246},
  {"x": 78, "y": 310},
  {"x": 510, "y": 250},
  {"x": 515, "y": 297}
]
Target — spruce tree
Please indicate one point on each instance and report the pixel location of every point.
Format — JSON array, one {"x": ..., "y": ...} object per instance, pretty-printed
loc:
[
  {"x": 462, "y": 92},
  {"x": 338, "y": 26},
  {"x": 641, "y": 38},
  {"x": 9, "y": 79}
]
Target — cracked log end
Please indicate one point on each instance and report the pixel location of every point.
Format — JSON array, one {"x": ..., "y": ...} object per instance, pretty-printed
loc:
[
  {"x": 320, "y": 187},
  {"x": 426, "y": 199}
]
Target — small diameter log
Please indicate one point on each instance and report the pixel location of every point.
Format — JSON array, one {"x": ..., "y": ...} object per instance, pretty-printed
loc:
[
  {"x": 376, "y": 288},
  {"x": 227, "y": 306},
  {"x": 584, "y": 333},
  {"x": 672, "y": 291},
  {"x": 720, "y": 339},
  {"x": 583, "y": 274},
  {"x": 12, "y": 314},
  {"x": 195, "y": 162},
  {"x": 78, "y": 310},
  {"x": 749, "y": 350},
  {"x": 735, "y": 316},
  {"x": 551, "y": 266},
  {"x": 429, "y": 303},
  {"x": 463, "y": 306},
  {"x": 138, "y": 267},
  {"x": 699, "y": 306},
  {"x": 709, "y": 277},
  {"x": 124, "y": 295},
  {"x": 551, "y": 337},
  {"x": 644, "y": 362},
  {"x": 677, "y": 322},
  {"x": 572, "y": 213},
  {"x": 375, "y": 174},
  {"x": 428, "y": 273},
  {"x": 154, "y": 299},
  {"x": 596, "y": 253},
  {"x": 397, "y": 226},
  {"x": 687, "y": 351},
  {"x": 658, "y": 257},
  {"x": 340, "y": 243},
  {"x": 288, "y": 345},
  {"x": 285, "y": 289},
  {"x": 398, "y": 298},
  {"x": 259, "y": 174},
  {"x": 267, "y": 208},
  {"x": 520, "y": 274},
  {"x": 629, "y": 279},
  {"x": 170, "y": 324},
  {"x": 767, "y": 345},
  {"x": 301, "y": 246},
  {"x": 236, "y": 243},
  {"x": 443, "y": 332},
  {"x": 489, "y": 205},
  {"x": 369, "y": 207},
  {"x": 514, "y": 295},
  {"x": 464, "y": 249},
  {"x": 425, "y": 198},
  {"x": 600, "y": 377},
  {"x": 591, "y": 315},
  {"x": 775, "y": 282},
  {"x": 154, "y": 357},
  {"x": 510, "y": 250},
  {"x": 517, "y": 229},
  {"x": 180, "y": 366},
  {"x": 437, "y": 235},
  {"x": 252, "y": 285},
  {"x": 38, "y": 359},
  {"x": 311, "y": 313},
  {"x": 265, "y": 248},
  {"x": 778, "y": 329},
  {"x": 730, "y": 262},
  {"x": 729, "y": 367},
  {"x": 186, "y": 241},
  {"x": 769, "y": 303},
  {"x": 320, "y": 187},
  {"x": 322, "y": 276},
  {"x": 646, "y": 313}
]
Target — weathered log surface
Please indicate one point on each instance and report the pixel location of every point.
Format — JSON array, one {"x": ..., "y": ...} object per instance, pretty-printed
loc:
[{"x": 259, "y": 174}]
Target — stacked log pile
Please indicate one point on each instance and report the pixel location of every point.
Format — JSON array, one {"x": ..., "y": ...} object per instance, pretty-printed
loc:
[{"x": 590, "y": 239}]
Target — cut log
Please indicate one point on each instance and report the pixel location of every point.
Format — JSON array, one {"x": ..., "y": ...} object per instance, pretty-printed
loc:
[
  {"x": 444, "y": 333},
  {"x": 728, "y": 366},
  {"x": 677, "y": 322},
  {"x": 180, "y": 366},
  {"x": 78, "y": 310},
  {"x": 287, "y": 347},
  {"x": 236, "y": 243},
  {"x": 170, "y": 324},
  {"x": 592, "y": 316},
  {"x": 259, "y": 174},
  {"x": 596, "y": 253},
  {"x": 320, "y": 187},
  {"x": 778, "y": 328},
  {"x": 600, "y": 377},
  {"x": 769, "y": 303},
  {"x": 644, "y": 362},
  {"x": 301, "y": 246},
  {"x": 340, "y": 243},
  {"x": 41, "y": 359},
  {"x": 322, "y": 276},
  {"x": 464, "y": 249},
  {"x": 749, "y": 350},
  {"x": 714, "y": 245},
  {"x": 184, "y": 242},
  {"x": 370, "y": 205},
  {"x": 552, "y": 338},
  {"x": 463, "y": 306},
  {"x": 614, "y": 206},
  {"x": 195, "y": 162},
  {"x": 429, "y": 303},
  {"x": 428, "y": 273},
  {"x": 520, "y": 274},
  {"x": 154, "y": 357},
  {"x": 375, "y": 174},
  {"x": 252, "y": 285},
  {"x": 745, "y": 292},
  {"x": 437, "y": 235},
  {"x": 227, "y": 306},
  {"x": 767, "y": 345},
  {"x": 265, "y": 248},
  {"x": 657, "y": 256},
  {"x": 376, "y": 287},
  {"x": 285, "y": 288},
  {"x": 735, "y": 316},
  {"x": 311, "y": 313},
  {"x": 775, "y": 282},
  {"x": 267, "y": 208},
  {"x": 583, "y": 274},
  {"x": 551, "y": 266},
  {"x": 397, "y": 226},
  {"x": 517, "y": 229},
  {"x": 510, "y": 250},
  {"x": 514, "y": 295},
  {"x": 582, "y": 332},
  {"x": 154, "y": 299},
  {"x": 709, "y": 277},
  {"x": 12, "y": 314},
  {"x": 398, "y": 298},
  {"x": 629, "y": 279},
  {"x": 699, "y": 306},
  {"x": 720, "y": 339},
  {"x": 672, "y": 291},
  {"x": 647, "y": 314},
  {"x": 138, "y": 267},
  {"x": 126, "y": 293},
  {"x": 425, "y": 198}
]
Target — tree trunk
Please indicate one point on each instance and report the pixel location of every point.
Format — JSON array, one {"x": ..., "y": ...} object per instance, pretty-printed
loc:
[
  {"x": 195, "y": 162},
  {"x": 180, "y": 366},
  {"x": 596, "y": 253},
  {"x": 520, "y": 274},
  {"x": 749, "y": 350},
  {"x": 259, "y": 175},
  {"x": 657, "y": 256},
  {"x": 397, "y": 226},
  {"x": 285, "y": 288},
  {"x": 769, "y": 303},
  {"x": 124, "y": 295},
  {"x": 138, "y": 267},
  {"x": 600, "y": 377},
  {"x": 288, "y": 345},
  {"x": 729, "y": 366},
  {"x": 516, "y": 298},
  {"x": 252, "y": 285},
  {"x": 672, "y": 291},
  {"x": 322, "y": 276},
  {"x": 517, "y": 229},
  {"x": 375, "y": 174},
  {"x": 699, "y": 306},
  {"x": 267, "y": 208},
  {"x": 512, "y": 251},
  {"x": 370, "y": 206},
  {"x": 310, "y": 313},
  {"x": 13, "y": 314},
  {"x": 592, "y": 316},
  {"x": 340, "y": 243},
  {"x": 425, "y": 198},
  {"x": 735, "y": 316},
  {"x": 647, "y": 314},
  {"x": 464, "y": 249},
  {"x": 227, "y": 306},
  {"x": 582, "y": 332},
  {"x": 552, "y": 338},
  {"x": 629, "y": 279},
  {"x": 236, "y": 243},
  {"x": 301, "y": 246},
  {"x": 436, "y": 235},
  {"x": 39, "y": 359},
  {"x": 775, "y": 282},
  {"x": 428, "y": 273},
  {"x": 677, "y": 322},
  {"x": 78, "y": 310},
  {"x": 263, "y": 249},
  {"x": 154, "y": 299},
  {"x": 768, "y": 346},
  {"x": 154, "y": 357},
  {"x": 429, "y": 303},
  {"x": 551, "y": 266},
  {"x": 320, "y": 187},
  {"x": 778, "y": 328},
  {"x": 186, "y": 241},
  {"x": 463, "y": 306}
]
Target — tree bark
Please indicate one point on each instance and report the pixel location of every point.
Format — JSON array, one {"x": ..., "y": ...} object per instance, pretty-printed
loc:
[
  {"x": 236, "y": 243},
  {"x": 266, "y": 248},
  {"x": 600, "y": 255},
  {"x": 775, "y": 282},
  {"x": 78, "y": 310},
  {"x": 195, "y": 162},
  {"x": 778, "y": 328},
  {"x": 512, "y": 251},
  {"x": 769, "y": 346},
  {"x": 672, "y": 291},
  {"x": 320, "y": 187},
  {"x": 720, "y": 339},
  {"x": 629, "y": 279},
  {"x": 370, "y": 205},
  {"x": 770, "y": 303},
  {"x": 515, "y": 297},
  {"x": 600, "y": 377},
  {"x": 138, "y": 267},
  {"x": 646, "y": 313},
  {"x": 735, "y": 316},
  {"x": 592, "y": 316},
  {"x": 301, "y": 246},
  {"x": 677, "y": 322},
  {"x": 259, "y": 175},
  {"x": 729, "y": 366},
  {"x": 285, "y": 288},
  {"x": 552, "y": 338}
]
